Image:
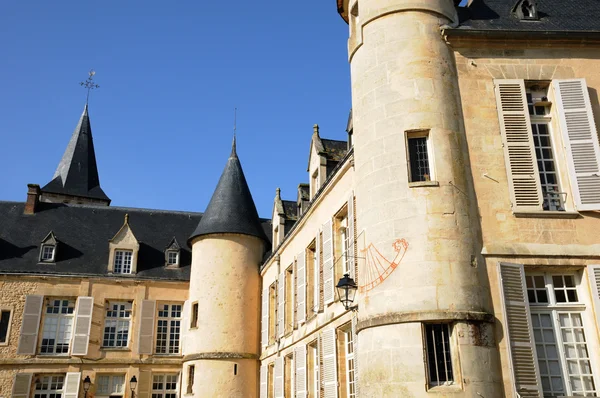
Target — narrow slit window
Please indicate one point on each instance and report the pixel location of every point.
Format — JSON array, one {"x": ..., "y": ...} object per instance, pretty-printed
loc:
[
  {"x": 439, "y": 358},
  {"x": 190, "y": 381},
  {"x": 418, "y": 156},
  {"x": 194, "y": 323}
]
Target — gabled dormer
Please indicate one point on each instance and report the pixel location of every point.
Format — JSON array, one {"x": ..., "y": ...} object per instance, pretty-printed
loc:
[
  {"x": 48, "y": 248},
  {"x": 303, "y": 198},
  {"x": 172, "y": 254},
  {"x": 317, "y": 163},
  {"x": 278, "y": 220},
  {"x": 525, "y": 10},
  {"x": 124, "y": 249}
]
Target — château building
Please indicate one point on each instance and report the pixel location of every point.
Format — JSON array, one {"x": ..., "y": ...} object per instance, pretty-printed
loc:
[{"x": 464, "y": 204}]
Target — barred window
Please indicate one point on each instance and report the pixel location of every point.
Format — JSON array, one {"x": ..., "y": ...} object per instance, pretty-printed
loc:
[
  {"x": 164, "y": 386},
  {"x": 168, "y": 331},
  {"x": 439, "y": 359},
  {"x": 116, "y": 324},
  {"x": 123, "y": 261},
  {"x": 418, "y": 156}
]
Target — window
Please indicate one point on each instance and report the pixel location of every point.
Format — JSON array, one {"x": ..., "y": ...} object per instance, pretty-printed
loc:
[
  {"x": 5, "y": 318},
  {"x": 439, "y": 358},
  {"x": 288, "y": 374},
  {"x": 58, "y": 326},
  {"x": 289, "y": 299},
  {"x": 116, "y": 324},
  {"x": 560, "y": 335},
  {"x": 346, "y": 362},
  {"x": 172, "y": 257},
  {"x": 418, "y": 156},
  {"x": 271, "y": 380},
  {"x": 314, "y": 366},
  {"x": 47, "y": 254},
  {"x": 194, "y": 322},
  {"x": 272, "y": 313},
  {"x": 311, "y": 275},
  {"x": 123, "y": 261},
  {"x": 164, "y": 386},
  {"x": 110, "y": 385},
  {"x": 49, "y": 386},
  {"x": 168, "y": 330},
  {"x": 190, "y": 379}
]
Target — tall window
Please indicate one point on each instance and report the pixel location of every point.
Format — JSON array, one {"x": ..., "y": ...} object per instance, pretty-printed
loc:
[
  {"x": 313, "y": 373},
  {"x": 311, "y": 286},
  {"x": 58, "y": 326},
  {"x": 341, "y": 244},
  {"x": 168, "y": 330},
  {"x": 289, "y": 299},
  {"x": 271, "y": 380},
  {"x": 418, "y": 156},
  {"x": 539, "y": 113},
  {"x": 288, "y": 374},
  {"x": 439, "y": 357},
  {"x": 272, "y": 313},
  {"x": 348, "y": 341},
  {"x": 194, "y": 318},
  {"x": 123, "y": 261},
  {"x": 49, "y": 386},
  {"x": 560, "y": 334},
  {"x": 164, "y": 386},
  {"x": 110, "y": 385},
  {"x": 5, "y": 318},
  {"x": 116, "y": 324}
]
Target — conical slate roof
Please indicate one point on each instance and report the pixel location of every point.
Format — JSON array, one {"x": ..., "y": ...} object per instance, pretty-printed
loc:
[
  {"x": 231, "y": 208},
  {"x": 77, "y": 172}
]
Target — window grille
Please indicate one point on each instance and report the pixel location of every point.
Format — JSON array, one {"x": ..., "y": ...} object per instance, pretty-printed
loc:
[
  {"x": 123, "y": 261},
  {"x": 168, "y": 331},
  {"x": 116, "y": 325},
  {"x": 58, "y": 326},
  {"x": 439, "y": 359},
  {"x": 419, "y": 159}
]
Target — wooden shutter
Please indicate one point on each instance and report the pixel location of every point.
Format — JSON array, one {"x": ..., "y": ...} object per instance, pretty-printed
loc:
[
  {"x": 146, "y": 333},
  {"x": 594, "y": 275},
  {"x": 264, "y": 382},
  {"x": 518, "y": 331},
  {"x": 21, "y": 385},
  {"x": 301, "y": 286},
  {"x": 300, "y": 362},
  {"x": 519, "y": 151},
  {"x": 329, "y": 374},
  {"x": 72, "y": 384},
  {"x": 144, "y": 384},
  {"x": 580, "y": 140},
  {"x": 328, "y": 271},
  {"x": 351, "y": 237},
  {"x": 83, "y": 323},
  {"x": 31, "y": 324},
  {"x": 264, "y": 332},
  {"x": 281, "y": 304},
  {"x": 317, "y": 276},
  {"x": 279, "y": 379}
]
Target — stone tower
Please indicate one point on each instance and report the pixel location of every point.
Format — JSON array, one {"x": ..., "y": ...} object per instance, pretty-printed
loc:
[
  {"x": 405, "y": 86},
  {"x": 221, "y": 347}
]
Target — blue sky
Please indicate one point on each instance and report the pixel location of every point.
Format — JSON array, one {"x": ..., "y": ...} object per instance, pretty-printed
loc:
[{"x": 171, "y": 73}]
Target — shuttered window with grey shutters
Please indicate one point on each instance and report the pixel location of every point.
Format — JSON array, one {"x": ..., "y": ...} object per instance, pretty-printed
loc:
[
  {"x": 519, "y": 151},
  {"x": 300, "y": 363},
  {"x": 518, "y": 331},
  {"x": 264, "y": 382},
  {"x": 83, "y": 324},
  {"x": 21, "y": 385},
  {"x": 281, "y": 304},
  {"x": 594, "y": 275},
  {"x": 301, "y": 286},
  {"x": 317, "y": 276},
  {"x": 72, "y": 384},
  {"x": 330, "y": 383},
  {"x": 146, "y": 332},
  {"x": 278, "y": 388},
  {"x": 580, "y": 140},
  {"x": 144, "y": 384},
  {"x": 264, "y": 330},
  {"x": 328, "y": 271},
  {"x": 31, "y": 324}
]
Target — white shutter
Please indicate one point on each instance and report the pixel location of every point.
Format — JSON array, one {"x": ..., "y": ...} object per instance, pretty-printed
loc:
[
  {"x": 72, "y": 384},
  {"x": 31, "y": 324},
  {"x": 355, "y": 350},
  {"x": 21, "y": 385},
  {"x": 281, "y": 304},
  {"x": 144, "y": 387},
  {"x": 580, "y": 140},
  {"x": 329, "y": 363},
  {"x": 264, "y": 332},
  {"x": 279, "y": 379},
  {"x": 328, "y": 271},
  {"x": 300, "y": 362},
  {"x": 185, "y": 326},
  {"x": 594, "y": 275},
  {"x": 518, "y": 331},
  {"x": 317, "y": 276},
  {"x": 301, "y": 286},
  {"x": 83, "y": 323},
  {"x": 264, "y": 382},
  {"x": 519, "y": 151},
  {"x": 351, "y": 237},
  {"x": 146, "y": 332}
]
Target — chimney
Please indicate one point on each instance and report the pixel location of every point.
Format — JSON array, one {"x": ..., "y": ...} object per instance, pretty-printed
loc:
[{"x": 33, "y": 198}]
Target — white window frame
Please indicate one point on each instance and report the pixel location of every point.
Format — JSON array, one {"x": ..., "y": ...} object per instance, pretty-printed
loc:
[
  {"x": 43, "y": 257},
  {"x": 115, "y": 384},
  {"x": 120, "y": 264},
  {"x": 61, "y": 322},
  {"x": 10, "y": 316},
  {"x": 49, "y": 380},
  {"x": 170, "y": 321},
  {"x": 169, "y": 254},
  {"x": 555, "y": 310},
  {"x": 167, "y": 380},
  {"x": 121, "y": 322},
  {"x": 349, "y": 358},
  {"x": 314, "y": 388}
]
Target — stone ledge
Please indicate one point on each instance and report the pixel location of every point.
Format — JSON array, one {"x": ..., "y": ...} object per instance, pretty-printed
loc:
[
  {"x": 220, "y": 355},
  {"x": 421, "y": 316},
  {"x": 423, "y": 184},
  {"x": 546, "y": 214},
  {"x": 78, "y": 361},
  {"x": 504, "y": 249}
]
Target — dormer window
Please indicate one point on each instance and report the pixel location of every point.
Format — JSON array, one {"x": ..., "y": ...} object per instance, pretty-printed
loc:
[
  {"x": 124, "y": 249},
  {"x": 123, "y": 260},
  {"x": 172, "y": 257},
  {"x": 48, "y": 248},
  {"x": 526, "y": 10},
  {"x": 172, "y": 252}
]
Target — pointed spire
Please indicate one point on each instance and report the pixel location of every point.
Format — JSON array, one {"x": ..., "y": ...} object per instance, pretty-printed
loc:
[
  {"x": 77, "y": 172},
  {"x": 233, "y": 148}
]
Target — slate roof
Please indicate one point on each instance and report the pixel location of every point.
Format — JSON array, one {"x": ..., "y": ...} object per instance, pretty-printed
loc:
[
  {"x": 77, "y": 171},
  {"x": 231, "y": 208},
  {"x": 304, "y": 191},
  {"x": 290, "y": 209},
  {"x": 555, "y": 15},
  {"x": 334, "y": 150}
]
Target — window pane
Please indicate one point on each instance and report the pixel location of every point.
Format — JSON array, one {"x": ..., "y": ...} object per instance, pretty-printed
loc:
[{"x": 419, "y": 159}]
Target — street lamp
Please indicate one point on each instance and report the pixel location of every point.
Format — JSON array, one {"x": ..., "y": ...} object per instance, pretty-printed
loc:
[
  {"x": 86, "y": 385},
  {"x": 346, "y": 289},
  {"x": 133, "y": 385}
]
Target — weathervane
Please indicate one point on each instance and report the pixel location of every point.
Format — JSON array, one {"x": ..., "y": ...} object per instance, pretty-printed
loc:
[
  {"x": 234, "y": 121},
  {"x": 89, "y": 84}
]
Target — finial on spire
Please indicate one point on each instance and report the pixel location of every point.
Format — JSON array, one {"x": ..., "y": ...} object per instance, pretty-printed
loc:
[
  {"x": 89, "y": 84},
  {"x": 278, "y": 192},
  {"x": 233, "y": 148}
]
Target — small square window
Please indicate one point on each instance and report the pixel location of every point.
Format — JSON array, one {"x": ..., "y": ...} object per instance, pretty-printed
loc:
[
  {"x": 536, "y": 289},
  {"x": 564, "y": 288},
  {"x": 47, "y": 254},
  {"x": 172, "y": 257},
  {"x": 419, "y": 162}
]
